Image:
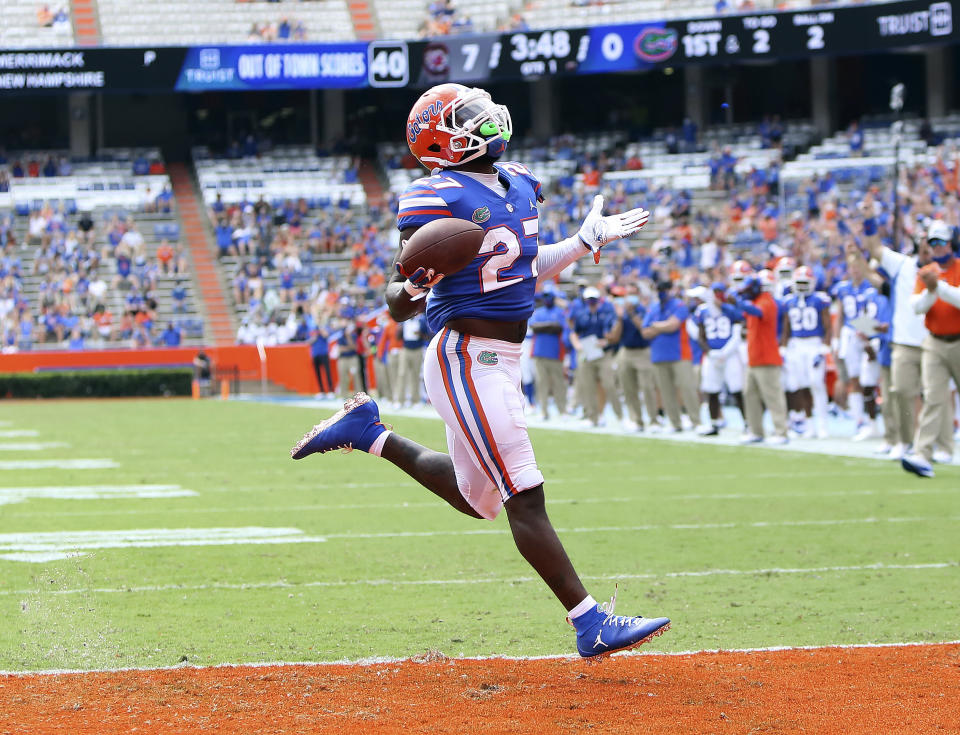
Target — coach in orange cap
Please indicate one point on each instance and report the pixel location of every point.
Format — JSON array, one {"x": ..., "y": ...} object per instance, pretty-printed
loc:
[{"x": 937, "y": 295}]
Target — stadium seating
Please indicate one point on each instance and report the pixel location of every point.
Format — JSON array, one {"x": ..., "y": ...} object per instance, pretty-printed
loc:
[
  {"x": 283, "y": 173},
  {"x": 108, "y": 189},
  {"x": 20, "y": 28},
  {"x": 108, "y": 181},
  {"x": 146, "y": 22}
]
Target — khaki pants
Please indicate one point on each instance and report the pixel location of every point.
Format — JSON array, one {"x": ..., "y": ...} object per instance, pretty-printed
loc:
[
  {"x": 589, "y": 375},
  {"x": 905, "y": 388},
  {"x": 550, "y": 382},
  {"x": 941, "y": 361},
  {"x": 891, "y": 417},
  {"x": 765, "y": 388},
  {"x": 411, "y": 361},
  {"x": 384, "y": 384},
  {"x": 347, "y": 367},
  {"x": 675, "y": 381},
  {"x": 637, "y": 376}
]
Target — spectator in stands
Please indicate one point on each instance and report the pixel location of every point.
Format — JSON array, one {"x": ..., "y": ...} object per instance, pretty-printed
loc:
[
  {"x": 855, "y": 137},
  {"x": 170, "y": 337},
  {"x": 141, "y": 164},
  {"x": 37, "y": 229},
  {"x": 44, "y": 16},
  {"x": 85, "y": 225},
  {"x": 4, "y": 181}
]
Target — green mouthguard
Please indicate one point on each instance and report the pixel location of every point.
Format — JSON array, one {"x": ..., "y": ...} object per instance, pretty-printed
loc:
[{"x": 491, "y": 128}]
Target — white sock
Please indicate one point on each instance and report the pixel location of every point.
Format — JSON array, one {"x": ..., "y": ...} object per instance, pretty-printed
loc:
[
  {"x": 586, "y": 606},
  {"x": 856, "y": 407},
  {"x": 378, "y": 443}
]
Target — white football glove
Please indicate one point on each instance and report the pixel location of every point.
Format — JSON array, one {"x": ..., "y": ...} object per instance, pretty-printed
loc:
[{"x": 597, "y": 230}]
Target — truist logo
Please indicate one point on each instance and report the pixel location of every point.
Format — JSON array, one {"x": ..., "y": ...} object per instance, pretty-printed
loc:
[
  {"x": 422, "y": 120},
  {"x": 656, "y": 44}
]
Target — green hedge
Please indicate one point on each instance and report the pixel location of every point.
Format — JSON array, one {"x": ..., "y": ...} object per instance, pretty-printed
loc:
[{"x": 97, "y": 383}]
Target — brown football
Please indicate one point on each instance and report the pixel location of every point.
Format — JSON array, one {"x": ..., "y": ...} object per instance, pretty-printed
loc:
[{"x": 447, "y": 245}]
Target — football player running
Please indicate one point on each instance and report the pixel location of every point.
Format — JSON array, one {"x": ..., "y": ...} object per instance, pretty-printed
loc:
[
  {"x": 472, "y": 366},
  {"x": 806, "y": 334}
]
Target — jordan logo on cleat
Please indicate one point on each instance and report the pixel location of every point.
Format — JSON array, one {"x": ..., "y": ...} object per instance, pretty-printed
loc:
[{"x": 599, "y": 641}]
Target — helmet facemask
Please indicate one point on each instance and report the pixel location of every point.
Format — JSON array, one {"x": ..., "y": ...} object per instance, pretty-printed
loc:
[{"x": 477, "y": 126}]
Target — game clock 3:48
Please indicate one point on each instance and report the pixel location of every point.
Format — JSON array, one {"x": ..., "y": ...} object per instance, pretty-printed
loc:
[{"x": 547, "y": 52}]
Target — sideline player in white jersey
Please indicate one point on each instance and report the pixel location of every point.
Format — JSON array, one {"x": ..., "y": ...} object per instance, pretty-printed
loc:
[
  {"x": 783, "y": 270},
  {"x": 472, "y": 366},
  {"x": 806, "y": 334},
  {"x": 719, "y": 328}
]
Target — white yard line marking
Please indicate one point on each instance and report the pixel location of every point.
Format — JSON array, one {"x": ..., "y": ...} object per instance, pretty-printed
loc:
[
  {"x": 10, "y": 495},
  {"x": 382, "y": 660},
  {"x": 18, "y": 433},
  {"x": 51, "y": 546},
  {"x": 282, "y": 584},
  {"x": 54, "y": 545},
  {"x": 641, "y": 498},
  {"x": 58, "y": 464},
  {"x": 30, "y": 446},
  {"x": 641, "y": 527}
]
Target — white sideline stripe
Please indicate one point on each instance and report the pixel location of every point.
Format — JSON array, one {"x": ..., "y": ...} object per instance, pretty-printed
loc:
[
  {"x": 381, "y": 660},
  {"x": 281, "y": 584},
  {"x": 58, "y": 464},
  {"x": 15, "y": 433},
  {"x": 30, "y": 446},
  {"x": 931, "y": 490},
  {"x": 10, "y": 495},
  {"x": 50, "y": 546}
]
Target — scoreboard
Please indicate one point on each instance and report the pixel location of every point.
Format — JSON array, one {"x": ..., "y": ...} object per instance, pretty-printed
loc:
[
  {"x": 473, "y": 58},
  {"x": 722, "y": 39}
]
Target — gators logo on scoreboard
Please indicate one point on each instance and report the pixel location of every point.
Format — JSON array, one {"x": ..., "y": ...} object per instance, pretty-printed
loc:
[
  {"x": 481, "y": 215},
  {"x": 656, "y": 44}
]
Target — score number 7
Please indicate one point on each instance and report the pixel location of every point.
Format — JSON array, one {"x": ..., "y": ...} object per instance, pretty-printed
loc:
[{"x": 471, "y": 52}]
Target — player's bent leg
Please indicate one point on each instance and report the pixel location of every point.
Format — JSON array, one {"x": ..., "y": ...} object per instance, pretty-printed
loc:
[{"x": 357, "y": 426}]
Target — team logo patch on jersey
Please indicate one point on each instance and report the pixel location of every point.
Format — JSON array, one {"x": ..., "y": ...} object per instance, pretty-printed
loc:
[
  {"x": 480, "y": 215},
  {"x": 488, "y": 358}
]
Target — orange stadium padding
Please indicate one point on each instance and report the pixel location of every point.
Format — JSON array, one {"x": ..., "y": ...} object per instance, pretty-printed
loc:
[{"x": 287, "y": 365}]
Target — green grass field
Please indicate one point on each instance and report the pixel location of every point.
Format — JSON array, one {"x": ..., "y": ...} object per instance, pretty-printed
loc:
[{"x": 742, "y": 547}]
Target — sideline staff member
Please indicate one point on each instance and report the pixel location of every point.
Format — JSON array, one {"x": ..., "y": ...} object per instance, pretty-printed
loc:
[{"x": 937, "y": 295}]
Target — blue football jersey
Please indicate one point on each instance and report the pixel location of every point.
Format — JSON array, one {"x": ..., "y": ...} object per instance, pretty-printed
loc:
[
  {"x": 806, "y": 314},
  {"x": 499, "y": 283},
  {"x": 717, "y": 323},
  {"x": 851, "y": 298}
]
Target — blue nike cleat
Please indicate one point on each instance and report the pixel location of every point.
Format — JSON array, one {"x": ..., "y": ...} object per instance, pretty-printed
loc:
[
  {"x": 917, "y": 464},
  {"x": 355, "y": 426},
  {"x": 600, "y": 632}
]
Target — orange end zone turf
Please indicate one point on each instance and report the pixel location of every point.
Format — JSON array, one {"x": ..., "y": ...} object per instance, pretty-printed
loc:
[{"x": 901, "y": 689}]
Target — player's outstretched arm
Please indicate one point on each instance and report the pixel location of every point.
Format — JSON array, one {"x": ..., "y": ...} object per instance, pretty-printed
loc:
[
  {"x": 405, "y": 292},
  {"x": 595, "y": 232}
]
